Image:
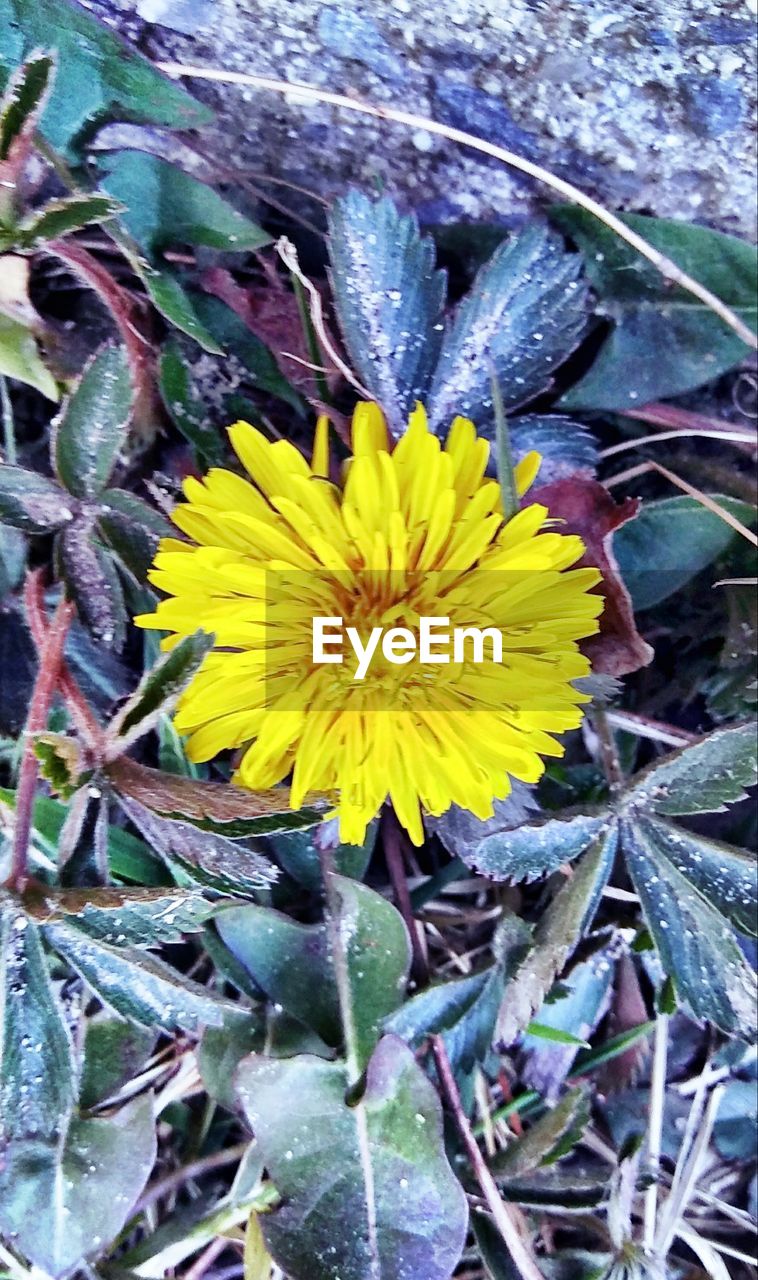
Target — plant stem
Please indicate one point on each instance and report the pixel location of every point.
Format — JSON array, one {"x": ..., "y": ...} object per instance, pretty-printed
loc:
[
  {"x": 655, "y": 1126},
  {"x": 608, "y": 754},
  {"x": 9, "y": 437},
  {"x": 392, "y": 834},
  {"x": 50, "y": 659},
  {"x": 339, "y": 961},
  {"x": 506, "y": 1217},
  {"x": 505, "y": 475},
  {"x": 311, "y": 339}
]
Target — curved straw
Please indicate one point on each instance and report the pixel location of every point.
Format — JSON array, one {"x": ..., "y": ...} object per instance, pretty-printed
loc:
[{"x": 667, "y": 268}]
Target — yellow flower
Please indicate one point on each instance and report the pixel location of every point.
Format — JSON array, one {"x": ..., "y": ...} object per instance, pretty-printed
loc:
[{"x": 415, "y": 531}]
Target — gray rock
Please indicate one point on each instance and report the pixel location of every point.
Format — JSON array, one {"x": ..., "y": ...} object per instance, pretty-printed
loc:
[
  {"x": 715, "y": 106},
  {"x": 645, "y": 106},
  {"x": 354, "y": 38}
]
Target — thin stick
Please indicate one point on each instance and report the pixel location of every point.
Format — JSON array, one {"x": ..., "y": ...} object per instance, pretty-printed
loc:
[
  {"x": 668, "y": 269},
  {"x": 672, "y": 415},
  {"x": 653, "y": 730},
  {"x": 198, "y": 1168},
  {"x": 288, "y": 254},
  {"x": 645, "y": 467},
  {"x": 391, "y": 837},
  {"x": 655, "y": 1126},
  {"x": 50, "y": 658},
  {"x": 505, "y": 1218},
  {"x": 609, "y": 757},
  {"x": 739, "y": 437}
]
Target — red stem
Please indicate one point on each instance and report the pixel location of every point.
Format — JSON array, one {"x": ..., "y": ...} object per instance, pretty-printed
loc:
[
  {"x": 392, "y": 835},
  {"x": 122, "y": 306},
  {"x": 50, "y": 659},
  {"x": 76, "y": 703}
]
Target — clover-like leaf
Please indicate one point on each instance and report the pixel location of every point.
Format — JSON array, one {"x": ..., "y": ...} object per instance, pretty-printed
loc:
[
  {"x": 135, "y": 983},
  {"x": 62, "y": 217},
  {"x": 220, "y": 807},
  {"x": 159, "y": 689},
  {"x": 524, "y": 314},
  {"x": 557, "y": 934},
  {"x": 388, "y": 298},
  {"x": 695, "y": 943},
  {"x": 702, "y": 778}
]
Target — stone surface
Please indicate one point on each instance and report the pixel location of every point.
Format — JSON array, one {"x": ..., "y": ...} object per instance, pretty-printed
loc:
[{"x": 645, "y": 104}]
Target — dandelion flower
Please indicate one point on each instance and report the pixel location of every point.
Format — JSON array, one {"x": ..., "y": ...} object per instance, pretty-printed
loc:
[{"x": 413, "y": 531}]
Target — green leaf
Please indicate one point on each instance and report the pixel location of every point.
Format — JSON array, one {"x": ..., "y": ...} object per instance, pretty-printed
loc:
[
  {"x": 702, "y": 778},
  {"x": 557, "y": 934},
  {"x": 20, "y": 358},
  {"x": 99, "y": 76},
  {"x": 128, "y": 857},
  {"x": 463, "y": 1011},
  {"x": 555, "y": 1036},
  {"x": 388, "y": 298},
  {"x": 298, "y": 855},
  {"x": 534, "y": 849},
  {"x": 378, "y": 1166},
  {"x": 377, "y": 953},
  {"x": 125, "y": 917},
  {"x": 13, "y": 553},
  {"x": 670, "y": 542},
  {"x": 174, "y": 304},
  {"x": 188, "y": 414},
  {"x": 164, "y": 206},
  {"x": 62, "y": 1204},
  {"x": 92, "y": 582},
  {"x": 37, "y": 1072},
  {"x": 726, "y": 876},
  {"x": 23, "y": 100},
  {"x": 62, "y": 217},
  {"x": 137, "y": 984},
  {"x": 114, "y": 1053},
  {"x": 235, "y": 338},
  {"x": 202, "y": 857},
  {"x": 664, "y": 340},
  {"x": 132, "y": 529},
  {"x": 220, "y": 807},
  {"x": 695, "y": 943},
  {"x": 91, "y": 428},
  {"x": 159, "y": 689},
  {"x": 29, "y": 501},
  {"x": 525, "y": 313},
  {"x": 291, "y": 962},
  {"x": 549, "y": 1138},
  {"x": 222, "y": 1049}
]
